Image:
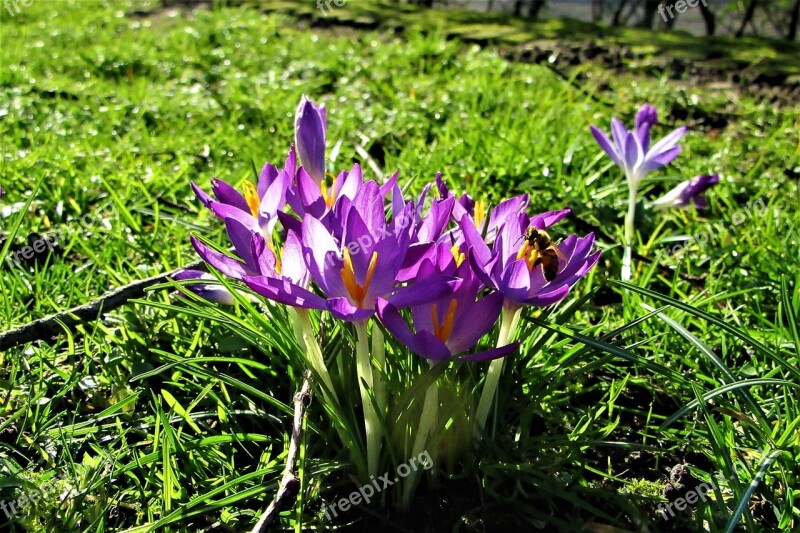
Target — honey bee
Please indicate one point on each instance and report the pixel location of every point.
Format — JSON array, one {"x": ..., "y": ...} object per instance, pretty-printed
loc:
[{"x": 544, "y": 252}]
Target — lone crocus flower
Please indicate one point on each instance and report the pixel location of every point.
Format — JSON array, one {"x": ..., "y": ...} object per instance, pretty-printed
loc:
[
  {"x": 309, "y": 128},
  {"x": 632, "y": 152},
  {"x": 688, "y": 192}
]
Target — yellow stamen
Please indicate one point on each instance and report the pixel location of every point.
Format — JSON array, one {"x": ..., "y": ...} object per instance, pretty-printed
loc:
[
  {"x": 278, "y": 266},
  {"x": 522, "y": 251},
  {"x": 357, "y": 292},
  {"x": 443, "y": 330},
  {"x": 457, "y": 255},
  {"x": 328, "y": 196},
  {"x": 531, "y": 259},
  {"x": 480, "y": 213},
  {"x": 251, "y": 197},
  {"x": 529, "y": 254}
]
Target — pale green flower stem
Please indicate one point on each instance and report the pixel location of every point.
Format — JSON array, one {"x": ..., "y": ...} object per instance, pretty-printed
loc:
[
  {"x": 427, "y": 422},
  {"x": 366, "y": 383},
  {"x": 630, "y": 230},
  {"x": 305, "y": 333},
  {"x": 508, "y": 327}
]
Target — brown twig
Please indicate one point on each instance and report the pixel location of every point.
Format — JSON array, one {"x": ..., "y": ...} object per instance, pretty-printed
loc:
[
  {"x": 290, "y": 484},
  {"x": 48, "y": 327}
]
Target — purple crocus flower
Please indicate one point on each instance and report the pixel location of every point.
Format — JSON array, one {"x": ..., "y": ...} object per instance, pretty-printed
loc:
[
  {"x": 212, "y": 292},
  {"x": 452, "y": 325},
  {"x": 688, "y": 192},
  {"x": 257, "y": 206},
  {"x": 631, "y": 150},
  {"x": 256, "y": 256},
  {"x": 510, "y": 266},
  {"x": 354, "y": 271},
  {"x": 309, "y": 126},
  {"x": 476, "y": 210}
]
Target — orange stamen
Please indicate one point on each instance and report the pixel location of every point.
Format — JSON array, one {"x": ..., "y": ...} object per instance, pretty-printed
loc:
[
  {"x": 251, "y": 197},
  {"x": 357, "y": 292},
  {"x": 442, "y": 330}
]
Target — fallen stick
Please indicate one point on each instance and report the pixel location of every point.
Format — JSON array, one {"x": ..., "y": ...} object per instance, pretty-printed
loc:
[
  {"x": 290, "y": 484},
  {"x": 50, "y": 326}
]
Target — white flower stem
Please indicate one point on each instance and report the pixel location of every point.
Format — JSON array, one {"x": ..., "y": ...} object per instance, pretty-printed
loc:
[
  {"x": 427, "y": 421},
  {"x": 630, "y": 231},
  {"x": 508, "y": 327},
  {"x": 305, "y": 333},
  {"x": 365, "y": 385}
]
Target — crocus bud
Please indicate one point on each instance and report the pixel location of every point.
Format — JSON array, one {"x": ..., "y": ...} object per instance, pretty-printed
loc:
[{"x": 309, "y": 126}]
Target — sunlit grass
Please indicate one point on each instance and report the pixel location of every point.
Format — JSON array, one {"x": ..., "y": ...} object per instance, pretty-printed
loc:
[{"x": 154, "y": 416}]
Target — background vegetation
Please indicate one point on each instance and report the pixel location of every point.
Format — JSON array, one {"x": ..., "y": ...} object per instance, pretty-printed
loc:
[{"x": 178, "y": 416}]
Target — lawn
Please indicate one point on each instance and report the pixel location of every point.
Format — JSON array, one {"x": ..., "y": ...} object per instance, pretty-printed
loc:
[{"x": 172, "y": 413}]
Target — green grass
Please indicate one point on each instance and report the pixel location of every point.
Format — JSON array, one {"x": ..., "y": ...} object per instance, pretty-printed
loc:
[{"x": 154, "y": 416}]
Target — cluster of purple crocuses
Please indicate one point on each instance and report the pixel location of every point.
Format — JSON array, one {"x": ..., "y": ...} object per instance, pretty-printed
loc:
[
  {"x": 437, "y": 270},
  {"x": 356, "y": 248}
]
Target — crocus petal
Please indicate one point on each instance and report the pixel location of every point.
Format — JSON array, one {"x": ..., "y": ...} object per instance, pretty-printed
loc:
[
  {"x": 619, "y": 133},
  {"x": 323, "y": 257},
  {"x": 228, "y": 195},
  {"x": 241, "y": 236},
  {"x": 200, "y": 193},
  {"x": 479, "y": 250},
  {"x": 545, "y": 220},
  {"x": 687, "y": 192},
  {"x": 434, "y": 222},
  {"x": 549, "y": 298},
  {"x": 224, "y": 263},
  {"x": 342, "y": 309},
  {"x": 274, "y": 197},
  {"x": 293, "y": 266},
  {"x": 646, "y": 116},
  {"x": 605, "y": 143},
  {"x": 655, "y": 161},
  {"x": 225, "y": 211},
  {"x": 633, "y": 153},
  {"x": 391, "y": 318},
  {"x": 422, "y": 291},
  {"x": 265, "y": 179},
  {"x": 290, "y": 223},
  {"x": 309, "y": 192},
  {"x": 475, "y": 323},
  {"x": 489, "y": 355},
  {"x": 387, "y": 187},
  {"x": 368, "y": 205},
  {"x": 310, "y": 139},
  {"x": 423, "y": 343},
  {"x": 516, "y": 280},
  {"x": 348, "y": 184},
  {"x": 668, "y": 142},
  {"x": 285, "y": 292}
]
